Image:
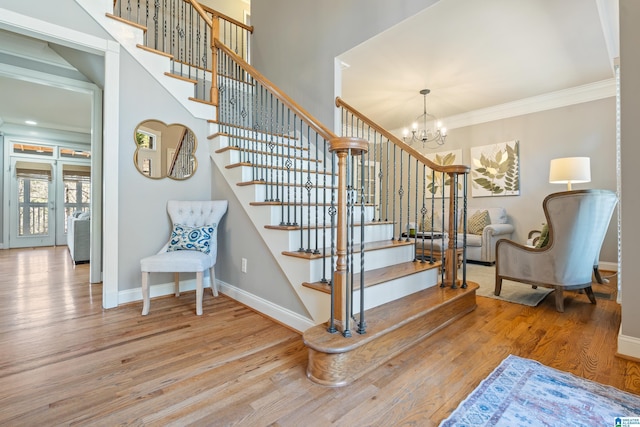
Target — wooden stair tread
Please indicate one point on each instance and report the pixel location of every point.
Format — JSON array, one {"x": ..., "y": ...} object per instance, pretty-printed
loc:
[
  {"x": 245, "y": 138},
  {"x": 126, "y": 21},
  {"x": 156, "y": 51},
  {"x": 319, "y": 226},
  {"x": 369, "y": 246},
  {"x": 266, "y": 153},
  {"x": 381, "y": 275},
  {"x": 282, "y": 184},
  {"x": 281, "y": 168},
  {"x": 294, "y": 203},
  {"x": 179, "y": 77},
  {"x": 386, "y": 318},
  {"x": 263, "y": 132}
]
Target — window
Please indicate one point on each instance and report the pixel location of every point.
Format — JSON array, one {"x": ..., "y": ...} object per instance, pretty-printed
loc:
[{"x": 76, "y": 180}]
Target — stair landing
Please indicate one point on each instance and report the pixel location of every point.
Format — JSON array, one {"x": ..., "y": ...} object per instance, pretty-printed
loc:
[{"x": 391, "y": 328}]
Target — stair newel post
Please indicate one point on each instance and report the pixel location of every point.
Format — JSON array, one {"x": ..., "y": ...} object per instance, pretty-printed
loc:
[
  {"x": 342, "y": 146},
  {"x": 451, "y": 254}
]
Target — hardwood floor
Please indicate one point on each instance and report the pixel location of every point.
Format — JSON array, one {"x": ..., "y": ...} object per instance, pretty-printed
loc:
[{"x": 66, "y": 361}]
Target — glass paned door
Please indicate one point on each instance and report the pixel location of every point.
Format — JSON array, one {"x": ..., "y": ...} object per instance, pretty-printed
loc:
[
  {"x": 76, "y": 194},
  {"x": 31, "y": 209}
]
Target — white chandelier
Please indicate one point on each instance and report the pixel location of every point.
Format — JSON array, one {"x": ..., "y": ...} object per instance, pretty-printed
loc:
[{"x": 426, "y": 135}]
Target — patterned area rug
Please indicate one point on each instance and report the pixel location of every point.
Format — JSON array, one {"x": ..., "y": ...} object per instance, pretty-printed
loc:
[
  {"x": 520, "y": 293},
  {"x": 523, "y": 392}
]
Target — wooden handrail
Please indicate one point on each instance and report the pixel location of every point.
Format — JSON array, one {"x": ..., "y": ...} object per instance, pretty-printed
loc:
[
  {"x": 314, "y": 124},
  {"x": 226, "y": 18},
  {"x": 451, "y": 169},
  {"x": 201, "y": 11}
]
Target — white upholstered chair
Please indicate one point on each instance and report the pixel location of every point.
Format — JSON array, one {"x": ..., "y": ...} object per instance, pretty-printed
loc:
[
  {"x": 195, "y": 228},
  {"x": 578, "y": 222}
]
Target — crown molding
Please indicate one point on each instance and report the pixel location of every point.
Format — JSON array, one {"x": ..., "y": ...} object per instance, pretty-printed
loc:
[{"x": 563, "y": 98}]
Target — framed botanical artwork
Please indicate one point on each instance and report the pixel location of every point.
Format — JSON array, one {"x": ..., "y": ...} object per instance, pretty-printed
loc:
[
  {"x": 495, "y": 169},
  {"x": 437, "y": 184}
]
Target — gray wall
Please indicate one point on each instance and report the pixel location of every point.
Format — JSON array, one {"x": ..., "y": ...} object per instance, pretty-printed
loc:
[
  {"x": 239, "y": 239},
  {"x": 144, "y": 224},
  {"x": 295, "y": 42},
  {"x": 586, "y": 129},
  {"x": 630, "y": 131}
]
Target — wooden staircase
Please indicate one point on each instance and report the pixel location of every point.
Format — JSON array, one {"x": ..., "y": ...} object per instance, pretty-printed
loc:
[{"x": 404, "y": 302}]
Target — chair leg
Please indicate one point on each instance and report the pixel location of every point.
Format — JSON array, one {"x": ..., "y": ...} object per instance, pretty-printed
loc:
[
  {"x": 589, "y": 291},
  {"x": 498, "y": 288},
  {"x": 559, "y": 300},
  {"x": 145, "y": 293},
  {"x": 214, "y": 285},
  {"x": 199, "y": 277},
  {"x": 176, "y": 284},
  {"x": 599, "y": 278}
]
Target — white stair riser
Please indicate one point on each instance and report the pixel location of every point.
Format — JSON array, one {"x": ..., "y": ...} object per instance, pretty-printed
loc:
[
  {"x": 249, "y": 173},
  {"x": 395, "y": 289},
  {"x": 372, "y": 259},
  {"x": 265, "y": 193},
  {"x": 291, "y": 163},
  {"x": 259, "y": 142},
  {"x": 372, "y": 233},
  {"x": 304, "y": 215}
]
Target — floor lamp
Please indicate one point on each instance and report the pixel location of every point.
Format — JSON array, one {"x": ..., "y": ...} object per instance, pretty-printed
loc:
[{"x": 570, "y": 170}]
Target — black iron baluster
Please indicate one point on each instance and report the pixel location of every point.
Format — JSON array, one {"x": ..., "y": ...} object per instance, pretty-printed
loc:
[
  {"x": 362, "y": 325},
  {"x": 464, "y": 231},
  {"x": 332, "y": 213},
  {"x": 408, "y": 198},
  {"x": 393, "y": 201},
  {"x": 400, "y": 195},
  {"x": 317, "y": 197}
]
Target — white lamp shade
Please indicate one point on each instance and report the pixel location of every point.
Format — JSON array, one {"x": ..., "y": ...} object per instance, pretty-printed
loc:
[{"x": 570, "y": 170}]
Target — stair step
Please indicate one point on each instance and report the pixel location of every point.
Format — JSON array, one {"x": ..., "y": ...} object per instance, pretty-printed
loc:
[
  {"x": 265, "y": 134},
  {"x": 248, "y": 129},
  {"x": 179, "y": 77},
  {"x": 391, "y": 328},
  {"x": 126, "y": 21},
  {"x": 321, "y": 226},
  {"x": 268, "y": 154},
  {"x": 156, "y": 51},
  {"x": 381, "y": 275},
  {"x": 282, "y": 184},
  {"x": 369, "y": 246}
]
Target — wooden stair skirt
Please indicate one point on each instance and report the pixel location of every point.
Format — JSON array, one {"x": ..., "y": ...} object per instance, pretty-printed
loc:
[{"x": 391, "y": 328}]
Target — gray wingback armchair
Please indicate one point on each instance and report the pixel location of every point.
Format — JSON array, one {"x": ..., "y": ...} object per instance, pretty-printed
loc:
[{"x": 578, "y": 222}]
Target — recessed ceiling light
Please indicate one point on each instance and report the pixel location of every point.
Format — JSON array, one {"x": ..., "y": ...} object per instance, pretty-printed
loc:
[{"x": 31, "y": 122}]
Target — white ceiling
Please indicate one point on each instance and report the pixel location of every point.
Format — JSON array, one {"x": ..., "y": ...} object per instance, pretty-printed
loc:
[
  {"x": 476, "y": 54},
  {"x": 471, "y": 54}
]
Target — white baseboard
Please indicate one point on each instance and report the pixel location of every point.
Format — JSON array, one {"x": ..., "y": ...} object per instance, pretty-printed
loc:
[
  {"x": 608, "y": 266},
  {"x": 281, "y": 314},
  {"x": 628, "y": 346},
  {"x": 162, "y": 289}
]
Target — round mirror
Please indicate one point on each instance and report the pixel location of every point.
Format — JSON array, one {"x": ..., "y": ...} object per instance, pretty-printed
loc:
[{"x": 165, "y": 150}]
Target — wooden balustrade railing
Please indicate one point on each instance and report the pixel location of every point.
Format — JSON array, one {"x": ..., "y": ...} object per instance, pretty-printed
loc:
[
  {"x": 296, "y": 157},
  {"x": 393, "y": 180},
  {"x": 186, "y": 30}
]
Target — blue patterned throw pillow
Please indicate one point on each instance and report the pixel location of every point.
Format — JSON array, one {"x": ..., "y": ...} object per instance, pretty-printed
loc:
[{"x": 184, "y": 238}]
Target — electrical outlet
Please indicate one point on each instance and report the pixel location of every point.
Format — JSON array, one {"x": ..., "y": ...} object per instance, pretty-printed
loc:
[{"x": 244, "y": 265}]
